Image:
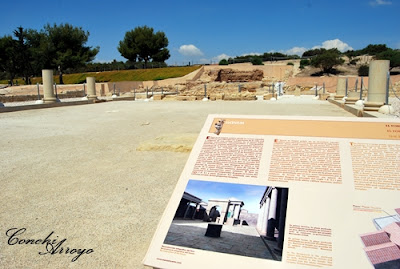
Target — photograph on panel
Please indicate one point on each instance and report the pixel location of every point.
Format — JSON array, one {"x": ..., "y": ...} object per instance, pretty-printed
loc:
[{"x": 239, "y": 219}]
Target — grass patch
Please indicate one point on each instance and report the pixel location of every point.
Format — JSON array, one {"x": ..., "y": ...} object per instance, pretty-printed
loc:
[{"x": 123, "y": 75}]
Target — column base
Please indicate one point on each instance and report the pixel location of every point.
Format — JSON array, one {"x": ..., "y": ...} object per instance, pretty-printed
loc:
[
  {"x": 372, "y": 106},
  {"x": 351, "y": 101},
  {"x": 50, "y": 100},
  {"x": 339, "y": 97},
  {"x": 92, "y": 97}
]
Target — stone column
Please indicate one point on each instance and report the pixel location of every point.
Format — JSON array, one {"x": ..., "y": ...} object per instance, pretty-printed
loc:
[
  {"x": 195, "y": 210},
  {"x": 282, "y": 220},
  {"x": 224, "y": 210},
  {"x": 272, "y": 215},
  {"x": 265, "y": 216},
  {"x": 352, "y": 98},
  {"x": 231, "y": 209},
  {"x": 91, "y": 83},
  {"x": 297, "y": 91},
  {"x": 377, "y": 77},
  {"x": 260, "y": 217},
  {"x": 236, "y": 212},
  {"x": 186, "y": 211},
  {"x": 48, "y": 83},
  {"x": 340, "y": 88}
]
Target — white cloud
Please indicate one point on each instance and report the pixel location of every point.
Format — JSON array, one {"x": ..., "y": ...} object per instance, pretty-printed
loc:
[
  {"x": 190, "y": 50},
  {"x": 215, "y": 59},
  {"x": 220, "y": 57},
  {"x": 295, "y": 51},
  {"x": 336, "y": 43},
  {"x": 380, "y": 3},
  {"x": 328, "y": 44},
  {"x": 252, "y": 53}
]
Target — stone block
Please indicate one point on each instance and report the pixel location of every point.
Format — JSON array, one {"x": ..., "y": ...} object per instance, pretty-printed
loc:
[
  {"x": 230, "y": 75},
  {"x": 213, "y": 230},
  {"x": 186, "y": 98},
  {"x": 323, "y": 96},
  {"x": 268, "y": 96},
  {"x": 158, "y": 97},
  {"x": 218, "y": 96},
  {"x": 353, "y": 95},
  {"x": 170, "y": 98}
]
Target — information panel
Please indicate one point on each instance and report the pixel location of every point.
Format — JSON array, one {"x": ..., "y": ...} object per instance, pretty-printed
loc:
[{"x": 285, "y": 192}]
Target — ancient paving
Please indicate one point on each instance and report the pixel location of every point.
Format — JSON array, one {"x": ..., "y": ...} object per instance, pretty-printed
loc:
[{"x": 238, "y": 240}]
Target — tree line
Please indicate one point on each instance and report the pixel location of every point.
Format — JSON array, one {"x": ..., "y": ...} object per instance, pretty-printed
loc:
[
  {"x": 59, "y": 47},
  {"x": 325, "y": 59},
  {"x": 63, "y": 48}
]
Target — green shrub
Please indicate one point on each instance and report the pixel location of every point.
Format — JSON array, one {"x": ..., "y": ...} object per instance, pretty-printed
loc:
[
  {"x": 392, "y": 55},
  {"x": 353, "y": 61},
  {"x": 223, "y": 62},
  {"x": 327, "y": 60},
  {"x": 290, "y": 63},
  {"x": 363, "y": 70},
  {"x": 256, "y": 60},
  {"x": 304, "y": 62}
]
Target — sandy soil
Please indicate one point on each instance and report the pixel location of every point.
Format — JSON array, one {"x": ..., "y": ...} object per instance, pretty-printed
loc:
[{"x": 76, "y": 172}]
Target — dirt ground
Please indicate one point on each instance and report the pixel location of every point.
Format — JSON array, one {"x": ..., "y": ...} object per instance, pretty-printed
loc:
[{"x": 100, "y": 176}]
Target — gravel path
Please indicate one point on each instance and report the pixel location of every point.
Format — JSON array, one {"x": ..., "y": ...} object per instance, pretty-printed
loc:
[{"x": 75, "y": 171}]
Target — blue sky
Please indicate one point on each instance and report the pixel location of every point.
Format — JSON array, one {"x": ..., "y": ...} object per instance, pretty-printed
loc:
[
  {"x": 249, "y": 194},
  {"x": 206, "y": 31}
]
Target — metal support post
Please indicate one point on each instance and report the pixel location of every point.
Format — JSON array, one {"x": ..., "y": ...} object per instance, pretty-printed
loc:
[
  {"x": 38, "y": 92},
  {"x": 387, "y": 89},
  {"x": 316, "y": 89},
  {"x": 356, "y": 84}
]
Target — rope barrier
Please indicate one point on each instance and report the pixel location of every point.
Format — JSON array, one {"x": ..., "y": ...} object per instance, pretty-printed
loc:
[{"x": 394, "y": 92}]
